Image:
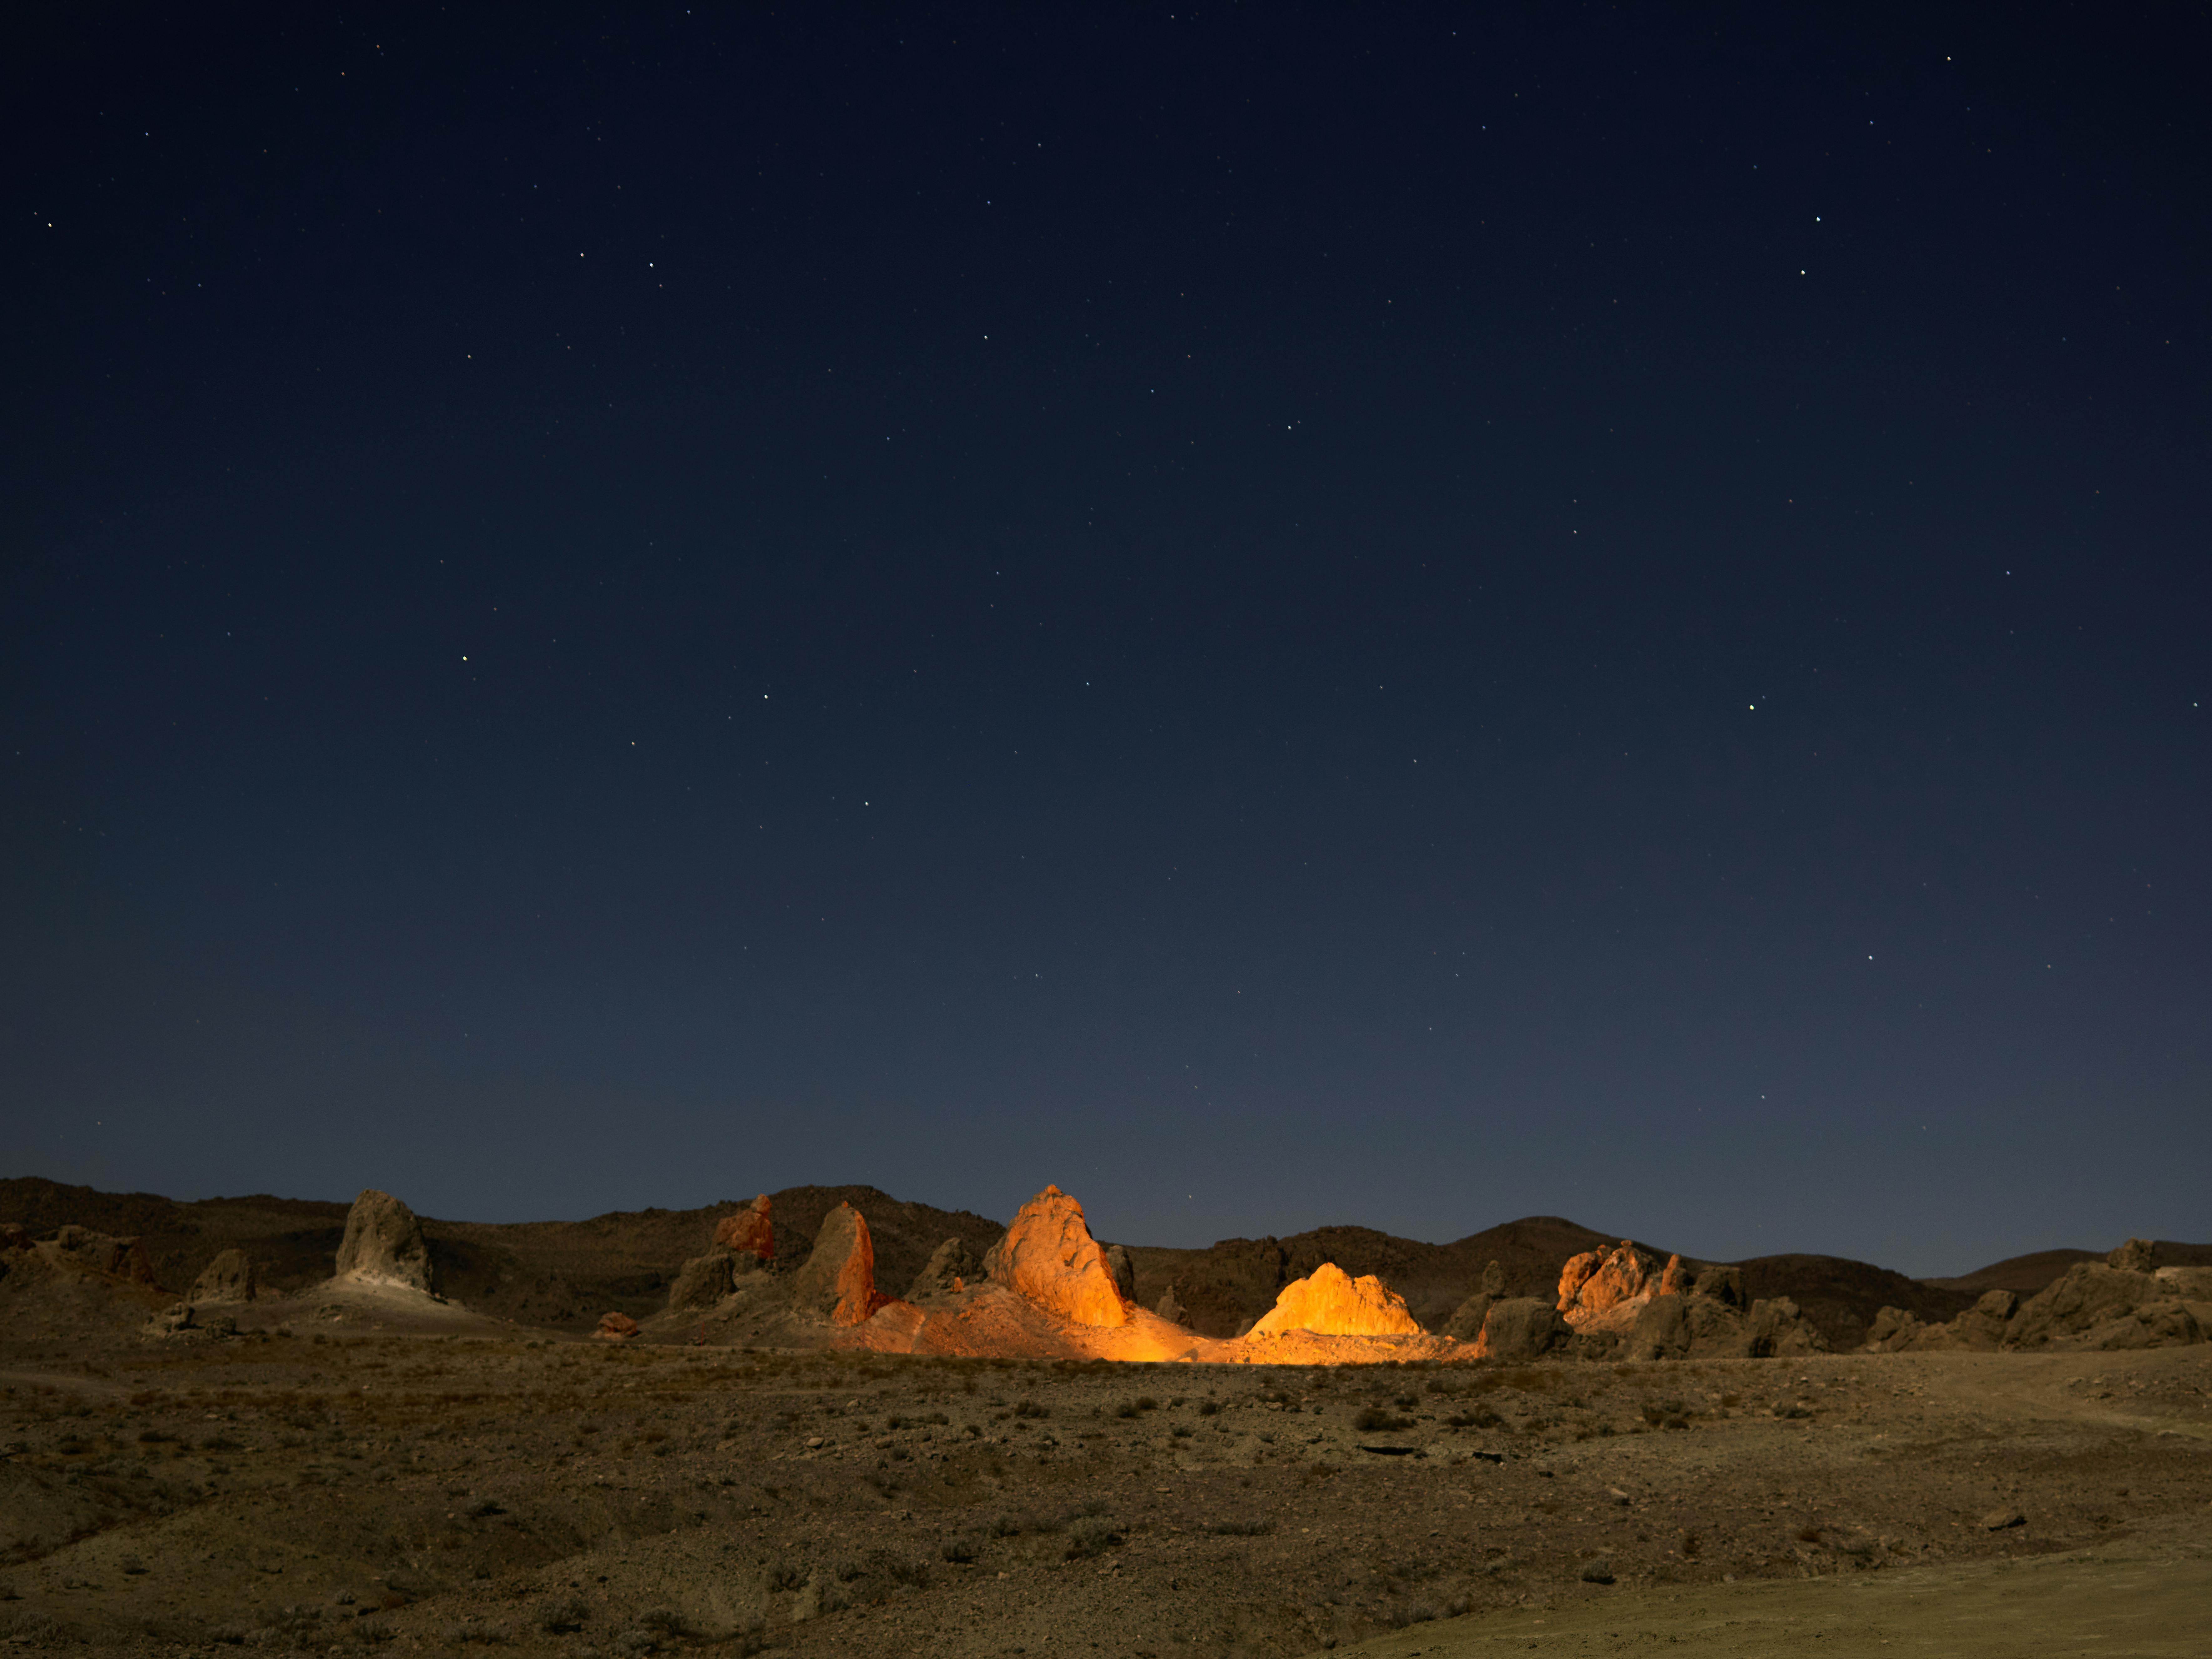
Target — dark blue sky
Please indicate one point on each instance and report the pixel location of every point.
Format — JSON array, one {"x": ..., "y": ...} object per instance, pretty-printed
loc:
[{"x": 1281, "y": 615}]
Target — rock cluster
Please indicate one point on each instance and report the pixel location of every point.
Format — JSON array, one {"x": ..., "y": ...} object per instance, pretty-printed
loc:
[
  {"x": 384, "y": 1244},
  {"x": 1329, "y": 1302},
  {"x": 2117, "y": 1303},
  {"x": 838, "y": 1280},
  {"x": 1048, "y": 1255},
  {"x": 749, "y": 1229},
  {"x": 616, "y": 1326}
]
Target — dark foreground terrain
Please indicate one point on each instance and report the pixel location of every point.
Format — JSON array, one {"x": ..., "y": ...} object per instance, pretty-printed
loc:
[{"x": 331, "y": 1490}]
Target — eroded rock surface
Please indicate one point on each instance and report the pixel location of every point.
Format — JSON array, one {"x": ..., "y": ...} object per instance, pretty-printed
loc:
[
  {"x": 751, "y": 1228},
  {"x": 1329, "y": 1302},
  {"x": 384, "y": 1244},
  {"x": 951, "y": 1267},
  {"x": 1521, "y": 1328},
  {"x": 838, "y": 1281},
  {"x": 1048, "y": 1255},
  {"x": 2097, "y": 1306},
  {"x": 1597, "y": 1282},
  {"x": 230, "y": 1277}
]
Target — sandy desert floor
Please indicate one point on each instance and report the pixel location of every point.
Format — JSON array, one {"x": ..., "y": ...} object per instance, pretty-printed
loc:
[{"x": 326, "y": 1487}]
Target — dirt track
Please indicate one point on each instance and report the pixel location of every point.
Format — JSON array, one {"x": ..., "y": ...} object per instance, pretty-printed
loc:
[{"x": 411, "y": 1492}]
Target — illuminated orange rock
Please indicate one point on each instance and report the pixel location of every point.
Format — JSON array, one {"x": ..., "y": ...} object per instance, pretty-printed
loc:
[
  {"x": 1675, "y": 1281},
  {"x": 1049, "y": 1257},
  {"x": 838, "y": 1282},
  {"x": 748, "y": 1229},
  {"x": 616, "y": 1327},
  {"x": 1597, "y": 1282},
  {"x": 1330, "y": 1302}
]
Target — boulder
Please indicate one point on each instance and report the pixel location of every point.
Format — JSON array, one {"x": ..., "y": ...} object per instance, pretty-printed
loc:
[
  {"x": 1124, "y": 1270},
  {"x": 1597, "y": 1282},
  {"x": 749, "y": 1229},
  {"x": 950, "y": 1266},
  {"x": 1519, "y": 1328},
  {"x": 230, "y": 1277},
  {"x": 2137, "y": 1255},
  {"x": 1048, "y": 1255},
  {"x": 1722, "y": 1285},
  {"x": 1776, "y": 1327},
  {"x": 1465, "y": 1323},
  {"x": 616, "y": 1326},
  {"x": 704, "y": 1281},
  {"x": 1983, "y": 1326},
  {"x": 1170, "y": 1306},
  {"x": 384, "y": 1244},
  {"x": 1675, "y": 1281},
  {"x": 1329, "y": 1302},
  {"x": 838, "y": 1281},
  {"x": 1662, "y": 1330}
]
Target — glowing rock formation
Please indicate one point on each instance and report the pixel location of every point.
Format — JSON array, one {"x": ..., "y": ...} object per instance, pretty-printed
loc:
[
  {"x": 838, "y": 1282},
  {"x": 1049, "y": 1257},
  {"x": 616, "y": 1326},
  {"x": 1598, "y": 1282},
  {"x": 749, "y": 1229},
  {"x": 1330, "y": 1302},
  {"x": 384, "y": 1244}
]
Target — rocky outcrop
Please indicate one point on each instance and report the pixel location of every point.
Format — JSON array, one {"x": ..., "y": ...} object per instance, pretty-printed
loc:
[
  {"x": 616, "y": 1326},
  {"x": 384, "y": 1244},
  {"x": 1608, "y": 1284},
  {"x": 1124, "y": 1271},
  {"x": 749, "y": 1229},
  {"x": 1980, "y": 1328},
  {"x": 1048, "y": 1255},
  {"x": 1466, "y": 1321},
  {"x": 1329, "y": 1302},
  {"x": 103, "y": 1252},
  {"x": 1722, "y": 1285},
  {"x": 1775, "y": 1327},
  {"x": 1675, "y": 1280},
  {"x": 2137, "y": 1255},
  {"x": 230, "y": 1277},
  {"x": 2097, "y": 1306},
  {"x": 951, "y": 1267},
  {"x": 1521, "y": 1327},
  {"x": 704, "y": 1280},
  {"x": 1170, "y": 1306},
  {"x": 838, "y": 1281}
]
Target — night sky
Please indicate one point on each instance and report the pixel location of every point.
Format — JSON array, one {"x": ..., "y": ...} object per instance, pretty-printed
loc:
[{"x": 1279, "y": 615}]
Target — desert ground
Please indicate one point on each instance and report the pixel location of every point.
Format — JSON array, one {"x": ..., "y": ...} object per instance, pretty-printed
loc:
[{"x": 353, "y": 1466}]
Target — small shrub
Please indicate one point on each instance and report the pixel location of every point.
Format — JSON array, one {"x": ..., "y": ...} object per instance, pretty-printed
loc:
[
  {"x": 1480, "y": 1418},
  {"x": 1147, "y": 1403},
  {"x": 1031, "y": 1408},
  {"x": 961, "y": 1551},
  {"x": 1092, "y": 1535},
  {"x": 1375, "y": 1418},
  {"x": 1209, "y": 1409},
  {"x": 1242, "y": 1527},
  {"x": 563, "y": 1615}
]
